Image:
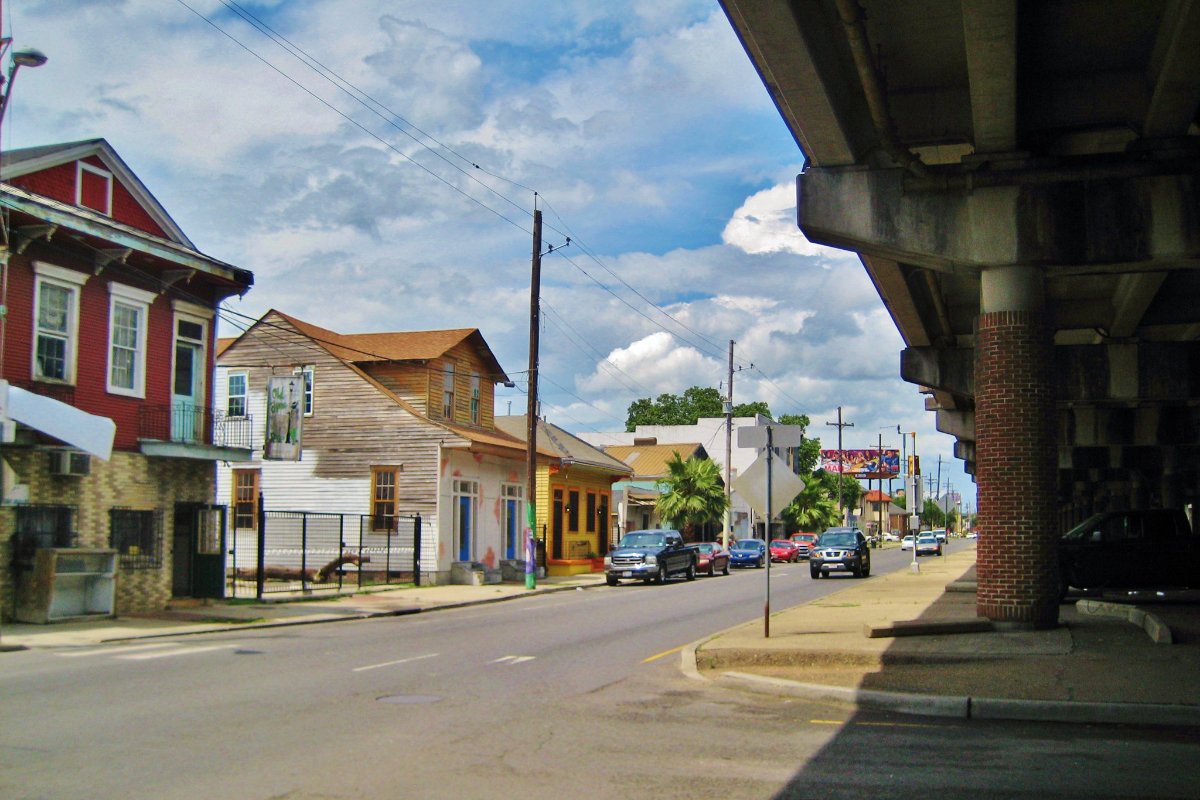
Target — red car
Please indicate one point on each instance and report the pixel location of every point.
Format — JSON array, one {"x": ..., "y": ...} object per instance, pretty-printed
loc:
[
  {"x": 712, "y": 558},
  {"x": 785, "y": 550},
  {"x": 805, "y": 542}
]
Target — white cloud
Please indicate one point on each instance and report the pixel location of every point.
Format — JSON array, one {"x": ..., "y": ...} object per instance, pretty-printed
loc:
[{"x": 766, "y": 223}]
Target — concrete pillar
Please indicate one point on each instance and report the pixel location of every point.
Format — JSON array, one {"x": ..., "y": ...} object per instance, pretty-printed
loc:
[{"x": 1016, "y": 453}]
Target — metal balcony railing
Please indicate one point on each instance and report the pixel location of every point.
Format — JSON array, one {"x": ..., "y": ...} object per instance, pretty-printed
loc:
[{"x": 189, "y": 424}]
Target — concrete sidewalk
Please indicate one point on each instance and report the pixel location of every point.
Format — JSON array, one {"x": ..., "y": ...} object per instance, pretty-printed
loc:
[
  {"x": 912, "y": 642},
  {"x": 275, "y": 610}
]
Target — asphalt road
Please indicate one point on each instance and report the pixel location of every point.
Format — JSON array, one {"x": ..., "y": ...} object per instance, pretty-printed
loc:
[{"x": 561, "y": 694}]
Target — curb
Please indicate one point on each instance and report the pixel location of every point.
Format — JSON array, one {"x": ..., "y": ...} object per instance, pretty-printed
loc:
[
  {"x": 1155, "y": 628},
  {"x": 966, "y": 707}
]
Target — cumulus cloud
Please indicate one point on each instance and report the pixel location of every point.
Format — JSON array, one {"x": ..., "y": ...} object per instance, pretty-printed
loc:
[{"x": 766, "y": 223}]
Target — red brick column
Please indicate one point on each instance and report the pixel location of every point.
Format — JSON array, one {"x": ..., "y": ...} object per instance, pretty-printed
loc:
[{"x": 1017, "y": 563}]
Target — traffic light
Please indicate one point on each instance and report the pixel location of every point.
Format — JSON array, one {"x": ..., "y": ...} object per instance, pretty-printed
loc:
[{"x": 914, "y": 465}]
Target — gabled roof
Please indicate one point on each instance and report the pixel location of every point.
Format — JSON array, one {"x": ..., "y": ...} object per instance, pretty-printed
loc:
[
  {"x": 568, "y": 448},
  {"x": 25, "y": 161},
  {"x": 360, "y": 348},
  {"x": 876, "y": 496},
  {"x": 651, "y": 460}
]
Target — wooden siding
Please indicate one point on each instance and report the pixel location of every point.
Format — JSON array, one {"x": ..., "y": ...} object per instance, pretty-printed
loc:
[
  {"x": 409, "y": 381},
  {"x": 58, "y": 183},
  {"x": 355, "y": 425},
  {"x": 466, "y": 361}
]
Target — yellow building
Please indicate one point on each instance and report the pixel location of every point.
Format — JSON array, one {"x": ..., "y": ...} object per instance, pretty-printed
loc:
[{"x": 574, "y": 497}]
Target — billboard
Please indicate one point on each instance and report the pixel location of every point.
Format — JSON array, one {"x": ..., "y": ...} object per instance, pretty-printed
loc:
[{"x": 862, "y": 463}]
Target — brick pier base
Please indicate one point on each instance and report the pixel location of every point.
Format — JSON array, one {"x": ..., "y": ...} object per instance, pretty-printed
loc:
[{"x": 1016, "y": 564}]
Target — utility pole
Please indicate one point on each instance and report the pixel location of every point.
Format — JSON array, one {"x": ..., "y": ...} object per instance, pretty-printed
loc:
[
  {"x": 535, "y": 289},
  {"x": 841, "y": 464},
  {"x": 939, "y": 489},
  {"x": 729, "y": 452}
]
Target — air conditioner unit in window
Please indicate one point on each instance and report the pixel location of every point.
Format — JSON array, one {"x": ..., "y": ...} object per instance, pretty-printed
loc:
[{"x": 68, "y": 462}]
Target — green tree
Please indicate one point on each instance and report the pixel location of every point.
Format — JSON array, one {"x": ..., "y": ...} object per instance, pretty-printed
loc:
[
  {"x": 932, "y": 514},
  {"x": 694, "y": 494},
  {"x": 685, "y": 409},
  {"x": 813, "y": 509}
]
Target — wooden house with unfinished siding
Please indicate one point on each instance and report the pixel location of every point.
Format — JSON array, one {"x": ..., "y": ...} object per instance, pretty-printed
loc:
[{"x": 395, "y": 423}]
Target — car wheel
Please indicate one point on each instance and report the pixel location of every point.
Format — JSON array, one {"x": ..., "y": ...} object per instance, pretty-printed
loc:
[
  {"x": 857, "y": 572},
  {"x": 661, "y": 578},
  {"x": 725, "y": 571},
  {"x": 691, "y": 571},
  {"x": 759, "y": 565},
  {"x": 712, "y": 568},
  {"x": 867, "y": 568},
  {"x": 814, "y": 573},
  {"x": 611, "y": 580}
]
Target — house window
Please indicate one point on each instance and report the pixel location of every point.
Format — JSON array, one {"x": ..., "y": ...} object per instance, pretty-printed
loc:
[
  {"x": 38, "y": 526},
  {"x": 475, "y": 398},
  {"x": 56, "y": 323},
  {"x": 591, "y": 512},
  {"x": 93, "y": 188},
  {"x": 128, "y": 313},
  {"x": 307, "y": 372},
  {"x": 245, "y": 499},
  {"x": 384, "y": 482},
  {"x": 236, "y": 405},
  {"x": 573, "y": 511},
  {"x": 137, "y": 537},
  {"x": 448, "y": 391}
]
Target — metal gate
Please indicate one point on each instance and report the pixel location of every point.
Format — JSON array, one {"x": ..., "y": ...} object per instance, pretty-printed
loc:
[{"x": 305, "y": 551}]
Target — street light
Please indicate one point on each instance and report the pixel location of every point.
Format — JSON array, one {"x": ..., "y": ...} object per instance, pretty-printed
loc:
[{"x": 28, "y": 57}]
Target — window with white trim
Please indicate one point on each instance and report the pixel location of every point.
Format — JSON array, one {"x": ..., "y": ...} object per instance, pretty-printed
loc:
[
  {"x": 236, "y": 402},
  {"x": 56, "y": 322},
  {"x": 308, "y": 372},
  {"x": 448, "y": 391},
  {"x": 128, "y": 318},
  {"x": 474, "y": 398}
]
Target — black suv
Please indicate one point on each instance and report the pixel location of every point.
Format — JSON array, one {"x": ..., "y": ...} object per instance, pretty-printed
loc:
[
  {"x": 1130, "y": 550},
  {"x": 840, "y": 550}
]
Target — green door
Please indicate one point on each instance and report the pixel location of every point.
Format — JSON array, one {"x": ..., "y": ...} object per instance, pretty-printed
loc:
[{"x": 209, "y": 575}]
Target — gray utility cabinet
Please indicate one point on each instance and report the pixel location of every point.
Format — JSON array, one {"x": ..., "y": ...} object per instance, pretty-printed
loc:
[{"x": 66, "y": 584}]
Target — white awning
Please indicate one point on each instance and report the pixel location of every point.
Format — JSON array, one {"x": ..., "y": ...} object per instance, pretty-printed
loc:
[{"x": 88, "y": 432}]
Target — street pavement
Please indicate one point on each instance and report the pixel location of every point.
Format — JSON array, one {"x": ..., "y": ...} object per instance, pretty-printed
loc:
[{"x": 908, "y": 641}]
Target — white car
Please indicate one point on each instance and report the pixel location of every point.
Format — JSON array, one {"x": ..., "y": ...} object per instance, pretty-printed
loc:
[
  {"x": 939, "y": 534},
  {"x": 891, "y": 537},
  {"x": 907, "y": 542}
]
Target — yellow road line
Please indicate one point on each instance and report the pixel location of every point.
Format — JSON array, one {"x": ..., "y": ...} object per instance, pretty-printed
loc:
[{"x": 663, "y": 653}]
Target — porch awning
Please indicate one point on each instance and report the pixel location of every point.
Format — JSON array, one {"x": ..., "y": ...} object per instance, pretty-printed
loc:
[{"x": 88, "y": 432}]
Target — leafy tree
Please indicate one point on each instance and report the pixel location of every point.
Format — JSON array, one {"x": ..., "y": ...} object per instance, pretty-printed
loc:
[
  {"x": 695, "y": 494},
  {"x": 932, "y": 514},
  {"x": 813, "y": 509},
  {"x": 685, "y": 409}
]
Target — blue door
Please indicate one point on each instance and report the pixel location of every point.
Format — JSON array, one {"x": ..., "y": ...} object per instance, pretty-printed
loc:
[
  {"x": 512, "y": 527},
  {"x": 464, "y": 528}
]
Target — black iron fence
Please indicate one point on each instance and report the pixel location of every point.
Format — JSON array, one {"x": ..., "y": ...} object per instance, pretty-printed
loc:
[
  {"x": 194, "y": 425},
  {"x": 303, "y": 551}
]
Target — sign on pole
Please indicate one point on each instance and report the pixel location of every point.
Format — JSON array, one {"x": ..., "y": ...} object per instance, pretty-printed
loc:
[{"x": 752, "y": 486}]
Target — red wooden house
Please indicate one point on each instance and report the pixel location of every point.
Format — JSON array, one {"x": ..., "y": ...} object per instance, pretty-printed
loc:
[{"x": 110, "y": 315}]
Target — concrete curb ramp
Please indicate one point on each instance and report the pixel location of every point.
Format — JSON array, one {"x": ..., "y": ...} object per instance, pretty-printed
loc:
[
  {"x": 1154, "y": 627},
  {"x": 963, "y": 707}
]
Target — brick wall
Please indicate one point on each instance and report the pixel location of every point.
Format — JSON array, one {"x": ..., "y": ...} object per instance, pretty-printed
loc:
[
  {"x": 128, "y": 480},
  {"x": 1017, "y": 564}
]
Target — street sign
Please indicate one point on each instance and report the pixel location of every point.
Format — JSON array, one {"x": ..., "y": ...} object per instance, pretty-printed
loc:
[
  {"x": 752, "y": 485},
  {"x": 781, "y": 436}
]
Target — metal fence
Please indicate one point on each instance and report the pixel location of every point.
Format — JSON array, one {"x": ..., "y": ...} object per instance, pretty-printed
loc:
[{"x": 304, "y": 551}]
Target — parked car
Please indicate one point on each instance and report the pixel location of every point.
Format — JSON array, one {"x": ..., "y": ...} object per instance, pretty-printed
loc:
[
  {"x": 804, "y": 542},
  {"x": 891, "y": 536},
  {"x": 1131, "y": 550},
  {"x": 907, "y": 542},
  {"x": 650, "y": 556},
  {"x": 928, "y": 545},
  {"x": 784, "y": 550},
  {"x": 939, "y": 534},
  {"x": 972, "y": 535},
  {"x": 748, "y": 553},
  {"x": 840, "y": 550},
  {"x": 711, "y": 558}
]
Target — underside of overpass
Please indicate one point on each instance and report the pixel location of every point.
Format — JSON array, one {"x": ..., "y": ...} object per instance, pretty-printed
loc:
[{"x": 1022, "y": 183}]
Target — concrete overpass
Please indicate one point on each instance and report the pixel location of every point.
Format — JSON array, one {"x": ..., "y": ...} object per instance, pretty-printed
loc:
[{"x": 1022, "y": 183}]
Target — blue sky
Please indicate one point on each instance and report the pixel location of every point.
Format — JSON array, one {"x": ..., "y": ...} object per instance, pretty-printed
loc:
[{"x": 641, "y": 125}]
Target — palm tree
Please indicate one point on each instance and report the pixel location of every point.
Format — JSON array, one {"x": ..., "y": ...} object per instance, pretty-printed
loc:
[
  {"x": 695, "y": 494},
  {"x": 813, "y": 509}
]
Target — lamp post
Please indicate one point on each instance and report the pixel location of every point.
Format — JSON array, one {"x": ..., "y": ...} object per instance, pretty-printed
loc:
[
  {"x": 20, "y": 58},
  {"x": 28, "y": 57}
]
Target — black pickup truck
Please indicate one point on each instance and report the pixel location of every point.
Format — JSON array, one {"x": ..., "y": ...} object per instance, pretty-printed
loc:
[{"x": 651, "y": 556}]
